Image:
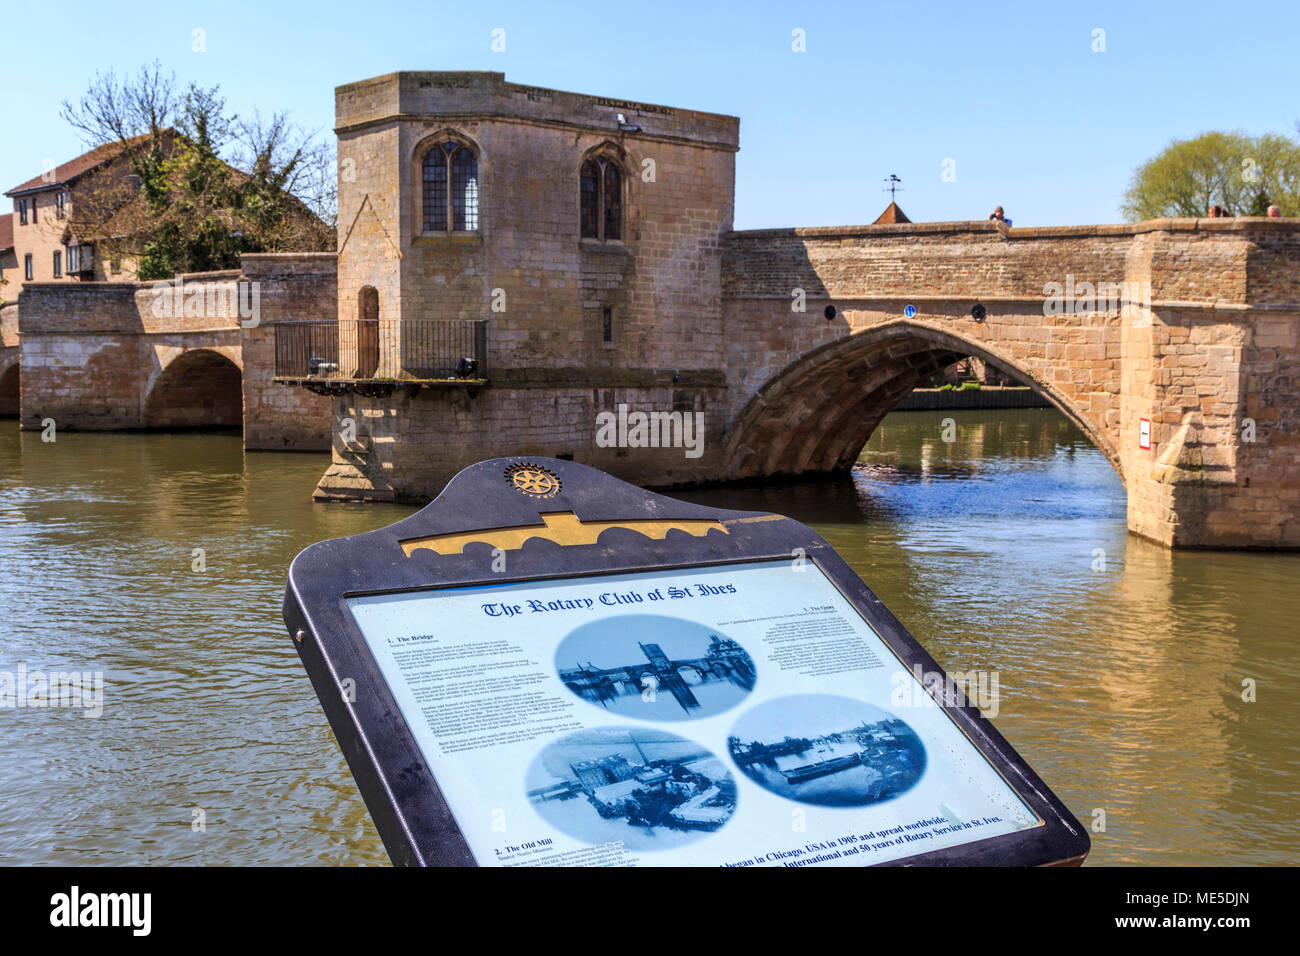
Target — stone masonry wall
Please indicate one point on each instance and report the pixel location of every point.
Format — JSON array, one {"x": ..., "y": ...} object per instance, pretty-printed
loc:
[
  {"x": 423, "y": 439},
  {"x": 1188, "y": 324},
  {"x": 869, "y": 274},
  {"x": 294, "y": 287},
  {"x": 527, "y": 269},
  {"x": 661, "y": 278},
  {"x": 104, "y": 356},
  {"x": 1212, "y": 347},
  {"x": 80, "y": 355},
  {"x": 9, "y": 325}
]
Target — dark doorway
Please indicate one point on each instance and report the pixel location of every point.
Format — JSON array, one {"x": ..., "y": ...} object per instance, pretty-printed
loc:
[{"x": 367, "y": 332}]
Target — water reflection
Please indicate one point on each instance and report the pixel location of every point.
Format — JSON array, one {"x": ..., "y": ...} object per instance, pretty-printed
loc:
[
  {"x": 1121, "y": 664},
  {"x": 207, "y": 708}
]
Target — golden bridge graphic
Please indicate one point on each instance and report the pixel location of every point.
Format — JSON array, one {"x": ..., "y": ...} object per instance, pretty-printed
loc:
[{"x": 562, "y": 527}]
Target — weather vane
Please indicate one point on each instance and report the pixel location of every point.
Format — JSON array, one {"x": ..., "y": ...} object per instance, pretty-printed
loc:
[{"x": 894, "y": 185}]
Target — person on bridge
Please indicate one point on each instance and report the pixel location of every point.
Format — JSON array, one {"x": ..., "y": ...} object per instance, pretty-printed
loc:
[
  {"x": 999, "y": 215},
  {"x": 1274, "y": 212}
]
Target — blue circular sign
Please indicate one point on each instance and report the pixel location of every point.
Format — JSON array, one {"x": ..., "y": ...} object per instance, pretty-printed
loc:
[{"x": 909, "y": 310}]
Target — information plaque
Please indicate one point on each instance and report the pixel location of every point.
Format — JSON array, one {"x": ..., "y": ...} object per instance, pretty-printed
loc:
[{"x": 550, "y": 667}]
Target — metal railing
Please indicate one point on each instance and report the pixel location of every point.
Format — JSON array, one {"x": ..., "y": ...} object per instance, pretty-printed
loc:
[
  {"x": 381, "y": 349},
  {"x": 303, "y": 348}
]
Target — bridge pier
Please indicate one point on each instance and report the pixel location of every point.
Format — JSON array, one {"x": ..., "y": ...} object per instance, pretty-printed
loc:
[{"x": 1219, "y": 387}]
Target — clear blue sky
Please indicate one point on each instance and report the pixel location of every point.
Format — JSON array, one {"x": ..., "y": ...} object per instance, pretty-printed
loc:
[{"x": 1013, "y": 93}]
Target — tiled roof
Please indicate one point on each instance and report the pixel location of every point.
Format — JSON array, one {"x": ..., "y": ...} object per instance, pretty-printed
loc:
[
  {"x": 6, "y": 231},
  {"x": 76, "y": 167},
  {"x": 892, "y": 214}
]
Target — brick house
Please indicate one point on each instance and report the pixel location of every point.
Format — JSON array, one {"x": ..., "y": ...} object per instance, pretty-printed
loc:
[
  {"x": 59, "y": 218},
  {"x": 9, "y": 285}
]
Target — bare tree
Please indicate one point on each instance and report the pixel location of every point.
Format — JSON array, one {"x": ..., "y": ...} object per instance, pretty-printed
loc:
[
  {"x": 133, "y": 113},
  {"x": 282, "y": 156}
]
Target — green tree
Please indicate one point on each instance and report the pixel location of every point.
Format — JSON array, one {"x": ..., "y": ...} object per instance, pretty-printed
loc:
[
  {"x": 1244, "y": 174},
  {"x": 207, "y": 185}
]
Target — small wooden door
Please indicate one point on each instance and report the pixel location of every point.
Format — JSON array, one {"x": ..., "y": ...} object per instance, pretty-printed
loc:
[{"x": 368, "y": 332}]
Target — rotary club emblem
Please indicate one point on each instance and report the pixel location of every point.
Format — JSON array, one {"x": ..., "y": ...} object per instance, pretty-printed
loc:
[{"x": 534, "y": 481}]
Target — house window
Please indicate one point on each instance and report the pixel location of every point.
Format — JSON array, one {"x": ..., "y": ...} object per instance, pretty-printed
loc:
[
  {"x": 450, "y": 182},
  {"x": 58, "y": 264},
  {"x": 607, "y": 329},
  {"x": 601, "y": 186},
  {"x": 115, "y": 265},
  {"x": 61, "y": 205},
  {"x": 22, "y": 212},
  {"x": 79, "y": 258},
  {"x": 27, "y": 267}
]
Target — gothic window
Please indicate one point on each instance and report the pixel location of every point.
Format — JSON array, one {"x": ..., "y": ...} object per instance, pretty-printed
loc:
[
  {"x": 450, "y": 183},
  {"x": 601, "y": 186}
]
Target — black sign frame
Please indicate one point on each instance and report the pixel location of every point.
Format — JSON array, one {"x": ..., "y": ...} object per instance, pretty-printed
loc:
[{"x": 400, "y": 791}]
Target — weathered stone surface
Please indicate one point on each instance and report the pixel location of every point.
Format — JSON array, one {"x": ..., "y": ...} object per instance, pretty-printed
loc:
[
  {"x": 1193, "y": 324},
  {"x": 97, "y": 355}
]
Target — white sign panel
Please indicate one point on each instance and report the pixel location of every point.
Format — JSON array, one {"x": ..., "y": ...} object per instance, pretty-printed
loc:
[{"x": 734, "y": 715}]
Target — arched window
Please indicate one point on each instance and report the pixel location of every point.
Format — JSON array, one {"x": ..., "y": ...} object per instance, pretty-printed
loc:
[
  {"x": 601, "y": 185},
  {"x": 450, "y": 188}
]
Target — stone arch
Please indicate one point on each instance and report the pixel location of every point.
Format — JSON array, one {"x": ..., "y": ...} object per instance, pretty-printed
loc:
[
  {"x": 9, "y": 388},
  {"x": 428, "y": 141},
  {"x": 817, "y": 413},
  {"x": 197, "y": 388}
]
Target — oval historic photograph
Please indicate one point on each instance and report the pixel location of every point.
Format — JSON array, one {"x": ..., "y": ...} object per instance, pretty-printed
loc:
[
  {"x": 651, "y": 789},
  {"x": 833, "y": 751},
  {"x": 654, "y": 667}
]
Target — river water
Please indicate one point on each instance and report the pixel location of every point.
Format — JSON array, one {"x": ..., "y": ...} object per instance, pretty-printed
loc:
[{"x": 1120, "y": 665}]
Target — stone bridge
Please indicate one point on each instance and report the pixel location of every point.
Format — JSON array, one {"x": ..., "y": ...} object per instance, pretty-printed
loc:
[
  {"x": 132, "y": 355},
  {"x": 1177, "y": 334},
  {"x": 1172, "y": 344}
]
